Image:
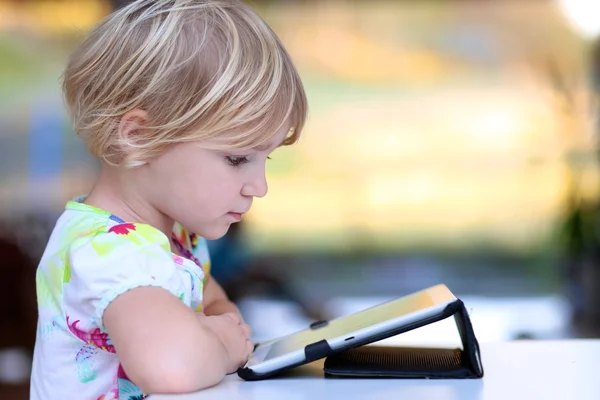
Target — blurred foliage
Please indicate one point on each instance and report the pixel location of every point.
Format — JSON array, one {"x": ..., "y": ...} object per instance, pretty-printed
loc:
[{"x": 429, "y": 129}]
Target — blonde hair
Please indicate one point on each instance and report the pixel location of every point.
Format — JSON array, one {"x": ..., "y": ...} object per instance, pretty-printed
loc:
[{"x": 200, "y": 69}]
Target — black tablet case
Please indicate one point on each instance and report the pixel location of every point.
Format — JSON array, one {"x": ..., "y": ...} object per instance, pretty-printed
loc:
[{"x": 396, "y": 362}]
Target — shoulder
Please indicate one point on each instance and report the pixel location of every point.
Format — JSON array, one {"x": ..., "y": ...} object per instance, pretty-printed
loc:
[{"x": 120, "y": 238}]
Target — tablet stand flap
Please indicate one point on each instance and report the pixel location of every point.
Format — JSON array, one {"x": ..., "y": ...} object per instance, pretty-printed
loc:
[{"x": 410, "y": 362}]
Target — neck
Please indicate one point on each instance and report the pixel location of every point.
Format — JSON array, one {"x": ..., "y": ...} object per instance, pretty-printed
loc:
[{"x": 115, "y": 192}]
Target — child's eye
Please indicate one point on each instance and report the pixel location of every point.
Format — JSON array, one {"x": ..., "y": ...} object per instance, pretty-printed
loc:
[{"x": 236, "y": 160}]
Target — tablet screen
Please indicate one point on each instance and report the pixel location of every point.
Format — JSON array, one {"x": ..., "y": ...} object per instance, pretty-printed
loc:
[{"x": 345, "y": 326}]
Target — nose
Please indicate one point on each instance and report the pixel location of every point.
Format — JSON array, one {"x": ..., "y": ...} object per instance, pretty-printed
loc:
[{"x": 257, "y": 187}]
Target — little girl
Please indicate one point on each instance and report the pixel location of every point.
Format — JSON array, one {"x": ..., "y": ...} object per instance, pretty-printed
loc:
[{"x": 182, "y": 101}]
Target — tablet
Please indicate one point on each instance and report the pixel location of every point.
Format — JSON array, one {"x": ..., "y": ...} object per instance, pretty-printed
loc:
[{"x": 366, "y": 326}]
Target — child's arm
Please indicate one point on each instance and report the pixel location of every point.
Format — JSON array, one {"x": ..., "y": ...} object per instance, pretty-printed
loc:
[
  {"x": 164, "y": 347},
  {"x": 215, "y": 299}
]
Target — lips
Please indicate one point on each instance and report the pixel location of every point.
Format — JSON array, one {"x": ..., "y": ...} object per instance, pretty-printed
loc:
[
  {"x": 240, "y": 212},
  {"x": 236, "y": 216}
]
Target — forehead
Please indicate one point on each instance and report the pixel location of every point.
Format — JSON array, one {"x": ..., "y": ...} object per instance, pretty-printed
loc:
[{"x": 277, "y": 140}]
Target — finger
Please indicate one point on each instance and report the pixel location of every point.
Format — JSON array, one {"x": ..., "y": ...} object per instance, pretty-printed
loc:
[
  {"x": 234, "y": 317},
  {"x": 249, "y": 347},
  {"x": 246, "y": 330}
]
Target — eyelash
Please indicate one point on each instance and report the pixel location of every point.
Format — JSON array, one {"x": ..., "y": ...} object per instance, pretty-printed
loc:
[{"x": 236, "y": 161}]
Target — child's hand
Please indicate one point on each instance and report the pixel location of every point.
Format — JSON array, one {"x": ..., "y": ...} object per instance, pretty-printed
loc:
[
  {"x": 239, "y": 320},
  {"x": 234, "y": 334}
]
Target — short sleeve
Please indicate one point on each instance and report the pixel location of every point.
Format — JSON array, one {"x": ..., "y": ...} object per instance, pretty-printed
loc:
[{"x": 108, "y": 264}]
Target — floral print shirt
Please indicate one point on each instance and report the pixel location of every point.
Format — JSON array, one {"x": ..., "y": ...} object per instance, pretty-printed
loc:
[{"x": 91, "y": 258}]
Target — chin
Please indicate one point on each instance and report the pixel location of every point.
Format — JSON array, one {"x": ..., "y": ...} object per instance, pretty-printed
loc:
[{"x": 215, "y": 233}]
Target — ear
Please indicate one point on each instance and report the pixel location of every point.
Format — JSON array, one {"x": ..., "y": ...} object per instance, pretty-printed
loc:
[
  {"x": 131, "y": 123},
  {"x": 130, "y": 131}
]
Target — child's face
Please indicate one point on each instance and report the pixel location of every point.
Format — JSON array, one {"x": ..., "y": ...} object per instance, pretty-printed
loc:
[{"x": 207, "y": 190}]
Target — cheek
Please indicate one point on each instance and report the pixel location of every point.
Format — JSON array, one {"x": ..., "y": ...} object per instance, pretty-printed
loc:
[
  {"x": 214, "y": 190},
  {"x": 224, "y": 190}
]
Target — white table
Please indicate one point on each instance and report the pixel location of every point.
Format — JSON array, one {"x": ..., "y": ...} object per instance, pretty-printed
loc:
[{"x": 548, "y": 370}]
